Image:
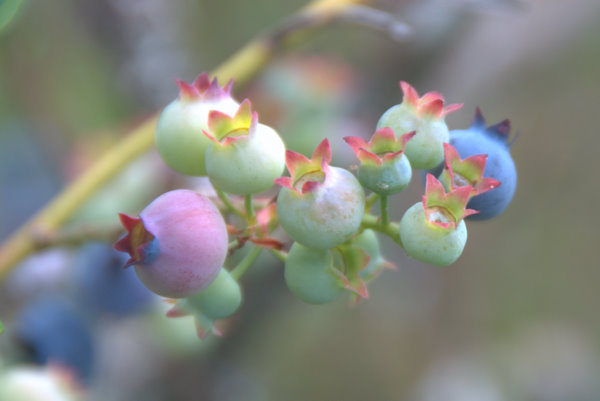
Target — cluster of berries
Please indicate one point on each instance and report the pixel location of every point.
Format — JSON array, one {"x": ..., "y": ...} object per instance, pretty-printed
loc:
[{"x": 180, "y": 242}]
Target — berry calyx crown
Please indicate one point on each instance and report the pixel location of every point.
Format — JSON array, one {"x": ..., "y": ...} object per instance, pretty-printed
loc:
[
  {"x": 382, "y": 147},
  {"x": 499, "y": 131},
  {"x": 430, "y": 105},
  {"x": 459, "y": 173},
  {"x": 442, "y": 209},
  {"x": 224, "y": 130},
  {"x": 202, "y": 88},
  {"x": 138, "y": 242},
  {"x": 306, "y": 175}
]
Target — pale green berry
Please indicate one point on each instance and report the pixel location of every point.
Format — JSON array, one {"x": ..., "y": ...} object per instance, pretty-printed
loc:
[
  {"x": 179, "y": 134},
  {"x": 325, "y": 216},
  {"x": 310, "y": 275},
  {"x": 428, "y": 242},
  {"x": 248, "y": 165},
  {"x": 220, "y": 299}
]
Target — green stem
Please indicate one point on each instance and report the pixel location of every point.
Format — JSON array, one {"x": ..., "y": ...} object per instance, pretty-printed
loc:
[
  {"x": 391, "y": 229},
  {"x": 281, "y": 255},
  {"x": 250, "y": 215},
  {"x": 228, "y": 205},
  {"x": 245, "y": 263},
  {"x": 371, "y": 199},
  {"x": 385, "y": 219}
]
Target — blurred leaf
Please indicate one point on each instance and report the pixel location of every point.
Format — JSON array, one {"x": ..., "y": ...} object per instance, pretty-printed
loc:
[{"x": 8, "y": 9}]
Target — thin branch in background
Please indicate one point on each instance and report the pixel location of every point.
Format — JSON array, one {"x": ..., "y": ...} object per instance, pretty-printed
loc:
[
  {"x": 378, "y": 20},
  {"x": 76, "y": 235}
]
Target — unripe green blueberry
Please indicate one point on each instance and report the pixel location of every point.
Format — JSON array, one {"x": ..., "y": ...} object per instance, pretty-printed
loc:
[
  {"x": 433, "y": 231},
  {"x": 399, "y": 117},
  {"x": 429, "y": 243},
  {"x": 220, "y": 299},
  {"x": 425, "y": 115},
  {"x": 178, "y": 137},
  {"x": 387, "y": 179},
  {"x": 247, "y": 165},
  {"x": 425, "y": 150},
  {"x": 310, "y": 275},
  {"x": 319, "y": 206},
  {"x": 327, "y": 216},
  {"x": 384, "y": 169}
]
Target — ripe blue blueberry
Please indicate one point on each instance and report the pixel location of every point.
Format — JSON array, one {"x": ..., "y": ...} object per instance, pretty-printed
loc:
[
  {"x": 52, "y": 329},
  {"x": 493, "y": 141},
  {"x": 104, "y": 286}
]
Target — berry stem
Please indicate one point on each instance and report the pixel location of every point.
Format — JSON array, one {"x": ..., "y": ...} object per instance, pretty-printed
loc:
[
  {"x": 281, "y": 255},
  {"x": 242, "y": 66},
  {"x": 370, "y": 201},
  {"x": 245, "y": 263},
  {"x": 391, "y": 229},
  {"x": 250, "y": 215},
  {"x": 229, "y": 207},
  {"x": 385, "y": 219}
]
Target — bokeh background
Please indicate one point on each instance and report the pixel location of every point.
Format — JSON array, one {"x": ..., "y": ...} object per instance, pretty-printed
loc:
[{"x": 516, "y": 318}]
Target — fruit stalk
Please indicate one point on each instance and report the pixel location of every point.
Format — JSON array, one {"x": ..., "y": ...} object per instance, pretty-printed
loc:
[
  {"x": 374, "y": 223},
  {"x": 385, "y": 220},
  {"x": 241, "y": 268},
  {"x": 229, "y": 207},
  {"x": 250, "y": 214}
]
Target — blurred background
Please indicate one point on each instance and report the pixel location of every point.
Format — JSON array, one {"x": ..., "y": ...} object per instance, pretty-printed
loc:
[{"x": 515, "y": 318}]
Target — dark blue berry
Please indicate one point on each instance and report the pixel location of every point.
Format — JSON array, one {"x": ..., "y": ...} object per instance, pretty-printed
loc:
[
  {"x": 493, "y": 141},
  {"x": 104, "y": 286},
  {"x": 52, "y": 330}
]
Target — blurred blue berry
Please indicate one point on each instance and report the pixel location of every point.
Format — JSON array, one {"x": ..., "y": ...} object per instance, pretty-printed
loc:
[
  {"x": 53, "y": 331},
  {"x": 104, "y": 286}
]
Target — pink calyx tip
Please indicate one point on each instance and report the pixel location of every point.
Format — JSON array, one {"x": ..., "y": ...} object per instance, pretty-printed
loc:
[
  {"x": 469, "y": 171},
  {"x": 135, "y": 240},
  {"x": 306, "y": 174},
  {"x": 355, "y": 260},
  {"x": 224, "y": 129},
  {"x": 445, "y": 209},
  {"x": 430, "y": 105},
  {"x": 382, "y": 146},
  {"x": 202, "y": 88}
]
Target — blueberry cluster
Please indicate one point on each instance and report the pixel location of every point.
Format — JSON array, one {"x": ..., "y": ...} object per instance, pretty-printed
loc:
[{"x": 181, "y": 242}]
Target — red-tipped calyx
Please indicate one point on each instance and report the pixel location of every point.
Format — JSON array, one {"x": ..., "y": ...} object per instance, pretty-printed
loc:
[
  {"x": 499, "y": 131},
  {"x": 135, "y": 241},
  {"x": 353, "y": 261},
  {"x": 468, "y": 172},
  {"x": 306, "y": 174},
  {"x": 202, "y": 88},
  {"x": 429, "y": 105},
  {"x": 445, "y": 209},
  {"x": 383, "y": 146},
  {"x": 224, "y": 130}
]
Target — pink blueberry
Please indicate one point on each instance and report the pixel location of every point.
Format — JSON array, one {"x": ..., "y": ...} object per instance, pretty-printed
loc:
[{"x": 178, "y": 244}]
